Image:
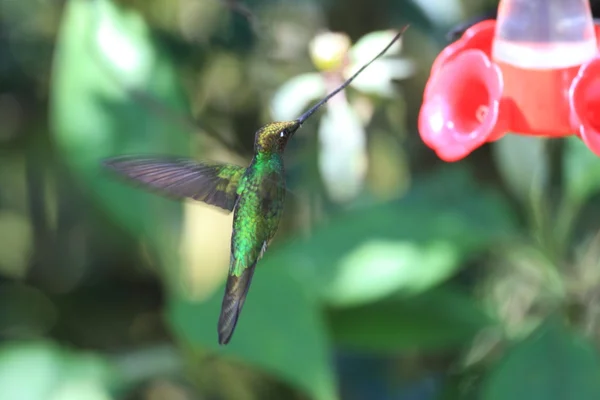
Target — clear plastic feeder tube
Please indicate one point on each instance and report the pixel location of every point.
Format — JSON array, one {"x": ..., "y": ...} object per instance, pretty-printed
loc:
[{"x": 544, "y": 34}]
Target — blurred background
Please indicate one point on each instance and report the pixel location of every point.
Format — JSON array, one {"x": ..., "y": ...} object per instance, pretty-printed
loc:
[{"x": 393, "y": 275}]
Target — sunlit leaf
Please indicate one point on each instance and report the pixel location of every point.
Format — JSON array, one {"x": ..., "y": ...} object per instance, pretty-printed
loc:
[
  {"x": 280, "y": 331},
  {"x": 553, "y": 363},
  {"x": 389, "y": 263},
  {"x": 105, "y": 59},
  {"x": 407, "y": 246},
  {"x": 38, "y": 371},
  {"x": 439, "y": 318}
]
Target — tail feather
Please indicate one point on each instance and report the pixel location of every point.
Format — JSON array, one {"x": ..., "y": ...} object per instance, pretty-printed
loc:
[{"x": 233, "y": 301}]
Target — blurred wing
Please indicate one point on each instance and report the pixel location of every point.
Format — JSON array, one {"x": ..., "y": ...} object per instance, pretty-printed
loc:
[{"x": 211, "y": 183}]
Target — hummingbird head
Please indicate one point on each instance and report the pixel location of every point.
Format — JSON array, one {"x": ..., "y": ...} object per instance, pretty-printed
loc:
[{"x": 273, "y": 137}]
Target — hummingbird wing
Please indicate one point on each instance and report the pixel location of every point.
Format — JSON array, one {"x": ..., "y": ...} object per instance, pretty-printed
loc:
[{"x": 212, "y": 183}]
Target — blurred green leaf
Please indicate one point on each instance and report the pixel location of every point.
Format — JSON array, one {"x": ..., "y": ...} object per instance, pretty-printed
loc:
[
  {"x": 25, "y": 310},
  {"x": 440, "y": 318},
  {"x": 391, "y": 264},
  {"x": 408, "y": 245},
  {"x": 523, "y": 164},
  {"x": 41, "y": 371},
  {"x": 280, "y": 331},
  {"x": 15, "y": 248},
  {"x": 552, "y": 363},
  {"x": 581, "y": 170},
  {"x": 293, "y": 96},
  {"x": 105, "y": 57}
]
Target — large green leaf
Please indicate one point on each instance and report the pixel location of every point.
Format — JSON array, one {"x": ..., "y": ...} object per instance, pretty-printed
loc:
[
  {"x": 440, "y": 318},
  {"x": 553, "y": 363},
  {"x": 581, "y": 170},
  {"x": 280, "y": 330},
  {"x": 30, "y": 311},
  {"x": 523, "y": 163},
  {"x": 408, "y": 245},
  {"x": 104, "y": 56},
  {"x": 42, "y": 371}
]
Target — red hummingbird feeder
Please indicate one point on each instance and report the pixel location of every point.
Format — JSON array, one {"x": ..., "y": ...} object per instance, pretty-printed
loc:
[{"x": 535, "y": 70}]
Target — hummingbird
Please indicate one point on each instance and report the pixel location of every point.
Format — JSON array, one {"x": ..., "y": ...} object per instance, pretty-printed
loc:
[{"x": 255, "y": 194}]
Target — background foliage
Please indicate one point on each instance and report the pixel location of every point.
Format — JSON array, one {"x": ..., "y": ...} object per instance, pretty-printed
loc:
[{"x": 393, "y": 276}]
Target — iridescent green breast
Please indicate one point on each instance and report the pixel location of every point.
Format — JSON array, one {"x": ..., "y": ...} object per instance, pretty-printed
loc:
[{"x": 259, "y": 209}]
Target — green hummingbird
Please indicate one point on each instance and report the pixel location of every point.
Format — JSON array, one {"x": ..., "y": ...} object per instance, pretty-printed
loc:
[{"x": 255, "y": 194}]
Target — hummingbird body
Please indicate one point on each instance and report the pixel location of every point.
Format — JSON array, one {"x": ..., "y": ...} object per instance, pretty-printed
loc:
[
  {"x": 255, "y": 195},
  {"x": 256, "y": 217}
]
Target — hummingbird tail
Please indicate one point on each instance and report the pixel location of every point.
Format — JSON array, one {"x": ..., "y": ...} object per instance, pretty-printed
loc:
[{"x": 233, "y": 301}]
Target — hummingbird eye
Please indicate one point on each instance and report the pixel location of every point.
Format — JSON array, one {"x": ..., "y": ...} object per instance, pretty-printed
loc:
[{"x": 283, "y": 133}]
